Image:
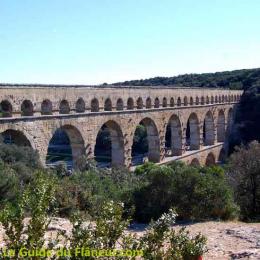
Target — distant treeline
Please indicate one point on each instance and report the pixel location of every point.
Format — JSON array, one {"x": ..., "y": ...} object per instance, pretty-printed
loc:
[{"x": 237, "y": 79}]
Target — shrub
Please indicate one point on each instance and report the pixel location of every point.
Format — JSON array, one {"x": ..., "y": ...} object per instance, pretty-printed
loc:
[
  {"x": 244, "y": 176},
  {"x": 36, "y": 201},
  {"x": 196, "y": 193}
]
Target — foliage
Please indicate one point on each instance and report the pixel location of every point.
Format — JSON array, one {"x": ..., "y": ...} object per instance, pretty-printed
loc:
[
  {"x": 244, "y": 176},
  {"x": 247, "y": 117},
  {"x": 238, "y": 79},
  {"x": 36, "y": 200},
  {"x": 86, "y": 191},
  {"x": 196, "y": 193},
  {"x": 158, "y": 242}
]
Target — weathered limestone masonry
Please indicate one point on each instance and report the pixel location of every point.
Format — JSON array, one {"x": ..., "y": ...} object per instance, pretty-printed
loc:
[{"x": 33, "y": 113}]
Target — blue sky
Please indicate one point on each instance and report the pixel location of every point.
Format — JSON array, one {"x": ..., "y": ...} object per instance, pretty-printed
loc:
[{"x": 96, "y": 41}]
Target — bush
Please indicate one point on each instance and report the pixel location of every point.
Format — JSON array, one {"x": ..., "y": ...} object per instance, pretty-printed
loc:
[
  {"x": 196, "y": 193},
  {"x": 107, "y": 233},
  {"x": 36, "y": 200},
  {"x": 86, "y": 191},
  {"x": 244, "y": 176}
]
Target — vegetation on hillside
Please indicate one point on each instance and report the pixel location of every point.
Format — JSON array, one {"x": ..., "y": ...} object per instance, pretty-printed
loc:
[{"x": 238, "y": 79}]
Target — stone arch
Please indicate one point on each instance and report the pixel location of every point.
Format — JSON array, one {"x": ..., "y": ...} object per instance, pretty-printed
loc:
[
  {"x": 174, "y": 138},
  {"x": 229, "y": 121},
  {"x": 108, "y": 105},
  {"x": 164, "y": 104},
  {"x": 156, "y": 103},
  {"x": 27, "y": 108},
  {"x": 193, "y": 132},
  {"x": 226, "y": 98},
  {"x": 231, "y": 98},
  {"x": 235, "y": 98},
  {"x": 221, "y": 126},
  {"x": 191, "y": 101},
  {"x": 208, "y": 129},
  {"x": 202, "y": 100},
  {"x": 16, "y": 137},
  {"x": 94, "y": 106},
  {"x": 139, "y": 103},
  {"x": 80, "y": 105},
  {"x": 195, "y": 162},
  {"x": 172, "y": 102},
  {"x": 216, "y": 99},
  {"x": 46, "y": 107},
  {"x": 207, "y": 99},
  {"x": 212, "y": 100},
  {"x": 222, "y": 156},
  {"x": 223, "y": 99},
  {"x": 152, "y": 139},
  {"x": 67, "y": 145},
  {"x": 111, "y": 146},
  {"x": 130, "y": 103},
  {"x": 185, "y": 101},
  {"x": 179, "y": 102},
  {"x": 120, "y": 104},
  {"x": 64, "y": 107},
  {"x": 148, "y": 102},
  {"x": 6, "y": 109},
  {"x": 197, "y": 101},
  {"x": 210, "y": 160}
]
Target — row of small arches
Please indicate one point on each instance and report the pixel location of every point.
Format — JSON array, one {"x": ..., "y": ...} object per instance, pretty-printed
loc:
[{"x": 80, "y": 106}]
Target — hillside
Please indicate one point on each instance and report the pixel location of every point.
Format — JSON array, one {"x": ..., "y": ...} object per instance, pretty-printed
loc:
[{"x": 237, "y": 79}]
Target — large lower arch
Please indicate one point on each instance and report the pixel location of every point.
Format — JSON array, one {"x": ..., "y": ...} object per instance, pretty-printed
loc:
[
  {"x": 208, "y": 129},
  {"x": 109, "y": 148},
  {"x": 66, "y": 145},
  {"x": 16, "y": 137},
  {"x": 173, "y": 137},
  {"x": 221, "y": 126},
  {"x": 149, "y": 145},
  {"x": 193, "y": 133}
]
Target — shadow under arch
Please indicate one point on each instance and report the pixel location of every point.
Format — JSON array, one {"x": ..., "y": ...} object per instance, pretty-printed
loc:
[
  {"x": 229, "y": 122},
  {"x": 208, "y": 129},
  {"x": 222, "y": 156},
  {"x": 210, "y": 160},
  {"x": 16, "y": 137},
  {"x": 109, "y": 148},
  {"x": 6, "y": 109},
  {"x": 173, "y": 136},
  {"x": 193, "y": 133},
  {"x": 66, "y": 145},
  {"x": 221, "y": 126},
  {"x": 27, "y": 108},
  {"x": 146, "y": 142},
  {"x": 195, "y": 162}
]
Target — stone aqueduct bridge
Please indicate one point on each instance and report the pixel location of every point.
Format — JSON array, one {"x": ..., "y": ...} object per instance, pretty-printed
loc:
[{"x": 32, "y": 114}]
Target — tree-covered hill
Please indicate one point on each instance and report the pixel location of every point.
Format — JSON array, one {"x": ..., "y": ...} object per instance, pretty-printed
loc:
[{"x": 237, "y": 79}]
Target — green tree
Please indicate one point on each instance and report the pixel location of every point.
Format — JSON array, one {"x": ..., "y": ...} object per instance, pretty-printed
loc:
[{"x": 244, "y": 175}]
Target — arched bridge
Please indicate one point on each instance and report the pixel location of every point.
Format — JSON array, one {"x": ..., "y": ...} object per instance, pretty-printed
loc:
[{"x": 187, "y": 124}]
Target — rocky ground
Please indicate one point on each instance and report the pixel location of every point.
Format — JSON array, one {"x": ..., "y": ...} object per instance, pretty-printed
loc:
[
  {"x": 230, "y": 240},
  {"x": 226, "y": 240}
]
